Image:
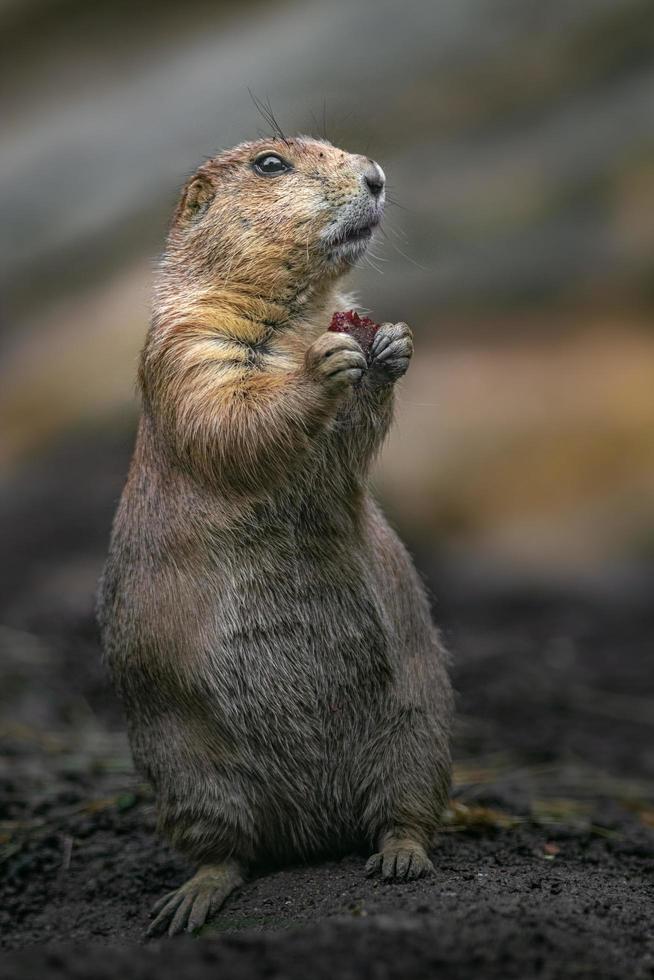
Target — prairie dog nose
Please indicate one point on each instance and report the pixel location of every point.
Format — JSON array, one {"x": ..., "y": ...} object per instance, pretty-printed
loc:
[{"x": 374, "y": 178}]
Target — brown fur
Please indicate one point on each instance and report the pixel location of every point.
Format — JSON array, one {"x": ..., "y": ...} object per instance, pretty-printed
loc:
[{"x": 285, "y": 689}]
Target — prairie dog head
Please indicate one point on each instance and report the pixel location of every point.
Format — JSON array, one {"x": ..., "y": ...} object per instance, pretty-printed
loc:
[{"x": 272, "y": 218}]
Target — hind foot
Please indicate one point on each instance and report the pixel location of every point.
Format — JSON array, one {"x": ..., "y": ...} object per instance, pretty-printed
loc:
[
  {"x": 188, "y": 908},
  {"x": 400, "y": 859}
]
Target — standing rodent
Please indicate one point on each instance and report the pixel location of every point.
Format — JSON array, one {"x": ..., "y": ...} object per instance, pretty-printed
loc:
[{"x": 285, "y": 689}]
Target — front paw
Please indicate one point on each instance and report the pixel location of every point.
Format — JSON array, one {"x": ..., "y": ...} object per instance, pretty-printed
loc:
[
  {"x": 390, "y": 352},
  {"x": 335, "y": 360}
]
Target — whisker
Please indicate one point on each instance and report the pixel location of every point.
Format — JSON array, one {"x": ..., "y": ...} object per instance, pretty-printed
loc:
[
  {"x": 315, "y": 122},
  {"x": 396, "y": 204},
  {"x": 265, "y": 110},
  {"x": 398, "y": 232},
  {"x": 377, "y": 258},
  {"x": 372, "y": 265},
  {"x": 404, "y": 254}
]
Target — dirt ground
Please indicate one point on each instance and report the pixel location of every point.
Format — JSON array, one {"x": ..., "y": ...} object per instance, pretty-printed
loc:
[{"x": 545, "y": 867}]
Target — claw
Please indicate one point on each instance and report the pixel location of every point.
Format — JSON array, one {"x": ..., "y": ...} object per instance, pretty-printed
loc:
[
  {"x": 200, "y": 911},
  {"x": 165, "y": 913},
  {"x": 180, "y": 918},
  {"x": 388, "y": 866},
  {"x": 373, "y": 864},
  {"x": 403, "y": 863},
  {"x": 159, "y": 904},
  {"x": 396, "y": 348}
]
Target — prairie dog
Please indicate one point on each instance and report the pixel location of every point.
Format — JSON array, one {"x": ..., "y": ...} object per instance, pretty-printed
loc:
[{"x": 285, "y": 689}]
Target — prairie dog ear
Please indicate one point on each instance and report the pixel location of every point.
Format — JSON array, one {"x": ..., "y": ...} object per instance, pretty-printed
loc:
[{"x": 196, "y": 198}]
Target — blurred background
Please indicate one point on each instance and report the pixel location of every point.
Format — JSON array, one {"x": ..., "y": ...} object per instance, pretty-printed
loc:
[{"x": 518, "y": 141}]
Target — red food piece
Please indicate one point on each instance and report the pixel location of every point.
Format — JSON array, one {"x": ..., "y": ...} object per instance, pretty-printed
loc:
[{"x": 362, "y": 328}]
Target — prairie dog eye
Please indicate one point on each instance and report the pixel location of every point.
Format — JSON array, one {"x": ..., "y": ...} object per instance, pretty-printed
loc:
[{"x": 271, "y": 165}]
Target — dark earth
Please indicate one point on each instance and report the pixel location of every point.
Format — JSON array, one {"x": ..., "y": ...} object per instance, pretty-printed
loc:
[{"x": 545, "y": 867}]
